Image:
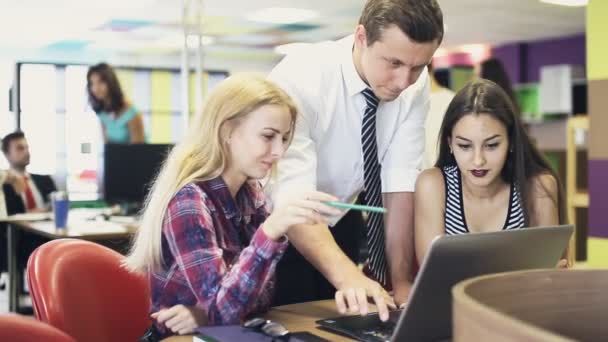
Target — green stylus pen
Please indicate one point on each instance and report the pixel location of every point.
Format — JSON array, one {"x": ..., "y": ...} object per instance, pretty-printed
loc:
[{"x": 341, "y": 205}]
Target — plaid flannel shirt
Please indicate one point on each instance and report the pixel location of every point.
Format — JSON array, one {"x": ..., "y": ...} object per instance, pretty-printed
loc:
[{"x": 224, "y": 266}]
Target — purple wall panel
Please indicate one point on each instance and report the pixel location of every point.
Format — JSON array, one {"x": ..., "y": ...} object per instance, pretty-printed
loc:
[
  {"x": 598, "y": 198},
  {"x": 569, "y": 50},
  {"x": 565, "y": 50},
  {"x": 509, "y": 55}
]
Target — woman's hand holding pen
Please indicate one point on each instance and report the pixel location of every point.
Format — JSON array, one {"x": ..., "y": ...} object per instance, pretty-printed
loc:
[{"x": 306, "y": 208}]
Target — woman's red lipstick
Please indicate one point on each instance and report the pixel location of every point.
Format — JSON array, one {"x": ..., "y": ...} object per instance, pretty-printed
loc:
[{"x": 479, "y": 173}]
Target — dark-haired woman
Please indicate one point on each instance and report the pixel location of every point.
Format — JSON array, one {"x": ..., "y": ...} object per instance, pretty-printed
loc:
[
  {"x": 121, "y": 122},
  {"x": 488, "y": 176}
]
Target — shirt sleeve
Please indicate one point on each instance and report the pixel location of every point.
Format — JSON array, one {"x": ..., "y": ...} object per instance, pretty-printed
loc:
[
  {"x": 403, "y": 160},
  {"x": 297, "y": 169},
  {"x": 129, "y": 114},
  {"x": 228, "y": 293},
  {"x": 266, "y": 297}
]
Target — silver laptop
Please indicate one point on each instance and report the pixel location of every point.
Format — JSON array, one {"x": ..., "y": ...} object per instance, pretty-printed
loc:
[{"x": 451, "y": 259}]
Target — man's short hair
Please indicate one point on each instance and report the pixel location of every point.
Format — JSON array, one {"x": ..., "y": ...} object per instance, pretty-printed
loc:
[
  {"x": 6, "y": 141},
  {"x": 420, "y": 20}
]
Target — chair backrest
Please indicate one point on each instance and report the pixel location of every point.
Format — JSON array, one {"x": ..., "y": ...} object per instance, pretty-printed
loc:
[
  {"x": 81, "y": 288},
  {"x": 546, "y": 305},
  {"x": 16, "y": 328}
]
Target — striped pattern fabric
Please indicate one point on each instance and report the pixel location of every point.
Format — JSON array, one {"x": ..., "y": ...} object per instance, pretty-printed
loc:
[
  {"x": 373, "y": 189},
  {"x": 455, "y": 221}
]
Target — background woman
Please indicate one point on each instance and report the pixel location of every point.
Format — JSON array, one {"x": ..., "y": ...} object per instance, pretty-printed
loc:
[{"x": 121, "y": 122}]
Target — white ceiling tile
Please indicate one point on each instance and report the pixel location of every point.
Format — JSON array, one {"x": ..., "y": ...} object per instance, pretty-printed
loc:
[{"x": 40, "y": 22}]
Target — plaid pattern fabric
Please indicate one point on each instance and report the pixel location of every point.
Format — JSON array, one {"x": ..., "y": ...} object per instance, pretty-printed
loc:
[{"x": 224, "y": 265}]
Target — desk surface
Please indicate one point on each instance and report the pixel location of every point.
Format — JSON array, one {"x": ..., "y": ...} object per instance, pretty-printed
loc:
[
  {"x": 84, "y": 230},
  {"x": 78, "y": 227},
  {"x": 296, "y": 317}
]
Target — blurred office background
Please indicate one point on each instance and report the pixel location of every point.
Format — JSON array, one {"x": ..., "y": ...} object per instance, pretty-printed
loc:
[{"x": 157, "y": 45}]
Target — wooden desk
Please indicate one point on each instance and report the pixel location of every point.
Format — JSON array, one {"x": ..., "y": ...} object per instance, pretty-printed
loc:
[
  {"x": 534, "y": 305},
  {"x": 296, "y": 317},
  {"x": 77, "y": 228}
]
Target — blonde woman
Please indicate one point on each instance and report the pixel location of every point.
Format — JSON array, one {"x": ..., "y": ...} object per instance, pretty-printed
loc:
[{"x": 206, "y": 240}]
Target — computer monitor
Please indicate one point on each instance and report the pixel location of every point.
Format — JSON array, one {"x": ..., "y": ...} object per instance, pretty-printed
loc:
[{"x": 128, "y": 171}]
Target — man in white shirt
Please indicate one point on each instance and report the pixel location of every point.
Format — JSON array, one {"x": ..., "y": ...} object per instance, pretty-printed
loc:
[{"x": 363, "y": 102}]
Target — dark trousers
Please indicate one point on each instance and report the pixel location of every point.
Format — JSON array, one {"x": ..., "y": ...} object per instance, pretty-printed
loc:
[
  {"x": 298, "y": 281},
  {"x": 28, "y": 242}
]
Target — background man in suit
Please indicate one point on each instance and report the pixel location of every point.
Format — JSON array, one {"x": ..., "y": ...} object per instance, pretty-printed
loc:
[
  {"x": 31, "y": 195},
  {"x": 35, "y": 196}
]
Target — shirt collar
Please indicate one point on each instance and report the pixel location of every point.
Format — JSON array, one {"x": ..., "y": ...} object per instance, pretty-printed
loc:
[
  {"x": 248, "y": 200},
  {"x": 352, "y": 80}
]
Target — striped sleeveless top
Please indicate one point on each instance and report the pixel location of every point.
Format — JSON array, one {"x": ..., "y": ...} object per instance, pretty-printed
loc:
[{"x": 455, "y": 221}]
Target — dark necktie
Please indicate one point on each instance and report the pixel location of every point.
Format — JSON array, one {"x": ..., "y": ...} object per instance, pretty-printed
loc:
[{"x": 373, "y": 189}]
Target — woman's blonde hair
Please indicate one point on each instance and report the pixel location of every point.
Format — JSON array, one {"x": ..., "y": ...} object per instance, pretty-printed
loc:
[{"x": 200, "y": 156}]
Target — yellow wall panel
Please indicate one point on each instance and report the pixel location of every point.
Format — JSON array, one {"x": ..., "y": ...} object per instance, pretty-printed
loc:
[
  {"x": 160, "y": 90},
  {"x": 160, "y": 119},
  {"x": 126, "y": 79},
  {"x": 597, "y": 252},
  {"x": 597, "y": 74},
  {"x": 161, "y": 128},
  {"x": 597, "y": 31}
]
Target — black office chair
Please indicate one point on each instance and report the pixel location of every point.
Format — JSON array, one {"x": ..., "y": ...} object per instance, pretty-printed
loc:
[{"x": 3, "y": 261}]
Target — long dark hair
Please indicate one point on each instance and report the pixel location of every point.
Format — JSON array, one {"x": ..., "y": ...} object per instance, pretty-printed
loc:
[
  {"x": 493, "y": 70},
  {"x": 108, "y": 76},
  {"x": 523, "y": 162}
]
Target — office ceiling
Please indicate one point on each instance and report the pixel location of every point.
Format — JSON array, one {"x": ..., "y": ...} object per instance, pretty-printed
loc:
[
  {"x": 153, "y": 26},
  {"x": 502, "y": 21}
]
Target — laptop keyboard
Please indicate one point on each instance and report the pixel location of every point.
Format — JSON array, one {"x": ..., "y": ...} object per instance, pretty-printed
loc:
[{"x": 364, "y": 328}]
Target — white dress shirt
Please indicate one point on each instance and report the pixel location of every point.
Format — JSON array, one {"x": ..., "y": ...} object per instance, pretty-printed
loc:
[{"x": 326, "y": 153}]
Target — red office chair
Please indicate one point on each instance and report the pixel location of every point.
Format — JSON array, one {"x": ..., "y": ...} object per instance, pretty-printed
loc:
[
  {"x": 81, "y": 288},
  {"x": 17, "y": 328}
]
